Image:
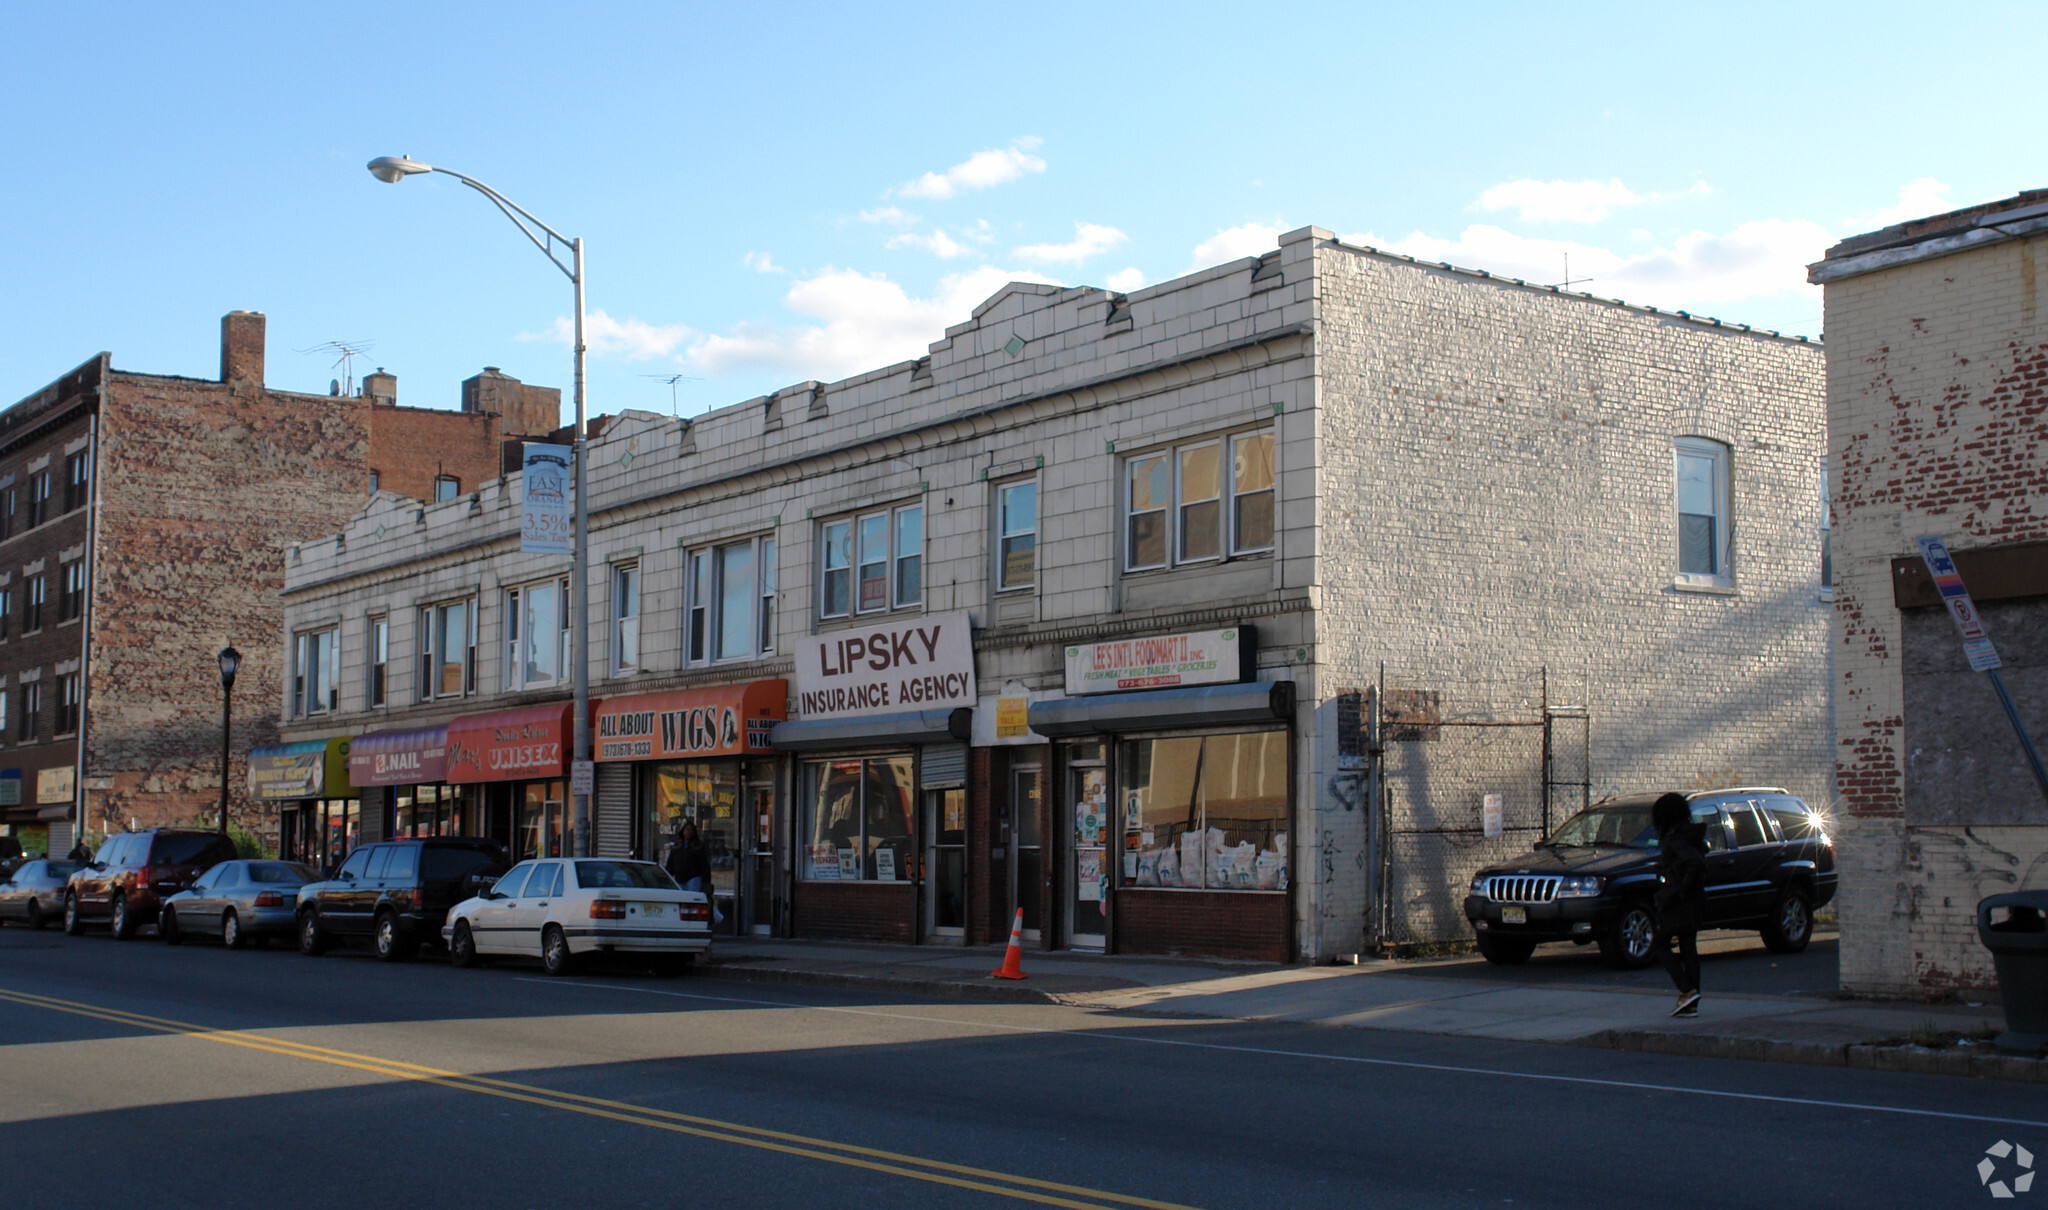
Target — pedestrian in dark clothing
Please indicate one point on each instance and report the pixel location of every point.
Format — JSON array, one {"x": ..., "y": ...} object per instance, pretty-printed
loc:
[
  {"x": 79, "y": 853},
  {"x": 689, "y": 863},
  {"x": 1682, "y": 899}
]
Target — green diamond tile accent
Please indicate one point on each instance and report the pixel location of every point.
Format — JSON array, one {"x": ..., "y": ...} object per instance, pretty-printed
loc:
[{"x": 1015, "y": 346}]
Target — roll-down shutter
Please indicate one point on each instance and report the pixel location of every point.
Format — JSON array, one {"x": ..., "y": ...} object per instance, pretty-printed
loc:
[{"x": 614, "y": 807}]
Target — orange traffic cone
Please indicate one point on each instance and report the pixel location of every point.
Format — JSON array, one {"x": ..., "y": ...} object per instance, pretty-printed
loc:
[{"x": 1013, "y": 962}]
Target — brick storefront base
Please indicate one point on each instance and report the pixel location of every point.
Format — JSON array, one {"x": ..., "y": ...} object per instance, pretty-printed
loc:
[
  {"x": 856, "y": 911},
  {"x": 1203, "y": 924}
]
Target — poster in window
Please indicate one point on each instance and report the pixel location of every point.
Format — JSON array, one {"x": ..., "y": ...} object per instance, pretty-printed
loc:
[
  {"x": 824, "y": 861},
  {"x": 885, "y": 865},
  {"x": 1088, "y": 875}
]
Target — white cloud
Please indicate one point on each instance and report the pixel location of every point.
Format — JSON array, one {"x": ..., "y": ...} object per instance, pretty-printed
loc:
[
  {"x": 1235, "y": 243},
  {"x": 1123, "y": 281},
  {"x": 1923, "y": 198},
  {"x": 632, "y": 339},
  {"x": 1755, "y": 260},
  {"x": 1089, "y": 239},
  {"x": 938, "y": 243},
  {"x": 1571, "y": 201},
  {"x": 978, "y": 171},
  {"x": 887, "y": 214},
  {"x": 864, "y": 321},
  {"x": 762, "y": 262}
]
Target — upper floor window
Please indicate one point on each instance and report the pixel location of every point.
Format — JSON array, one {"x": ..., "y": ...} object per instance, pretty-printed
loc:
[
  {"x": 67, "y": 704},
  {"x": 35, "y": 590},
  {"x": 1827, "y": 533},
  {"x": 537, "y": 634},
  {"x": 626, "y": 617},
  {"x": 8, "y": 498},
  {"x": 448, "y": 649},
  {"x": 71, "y": 600},
  {"x": 1017, "y": 535},
  {"x": 77, "y": 481},
  {"x": 6, "y": 612},
  {"x": 872, "y": 563},
  {"x": 375, "y": 481},
  {"x": 1703, "y": 514},
  {"x": 446, "y": 487},
  {"x": 730, "y": 612},
  {"x": 380, "y": 658},
  {"x": 38, "y": 498},
  {"x": 313, "y": 683},
  {"x": 1195, "y": 503},
  {"x": 31, "y": 710}
]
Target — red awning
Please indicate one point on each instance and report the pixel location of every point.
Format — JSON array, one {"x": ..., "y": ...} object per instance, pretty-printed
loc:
[
  {"x": 722, "y": 720},
  {"x": 531, "y": 743}
]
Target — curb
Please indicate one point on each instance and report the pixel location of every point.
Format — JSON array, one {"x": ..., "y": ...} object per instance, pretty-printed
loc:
[
  {"x": 880, "y": 983},
  {"x": 1921, "y": 1059}
]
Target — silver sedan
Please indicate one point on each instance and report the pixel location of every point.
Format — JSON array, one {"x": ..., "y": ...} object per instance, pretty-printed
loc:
[
  {"x": 237, "y": 901},
  {"x": 34, "y": 893}
]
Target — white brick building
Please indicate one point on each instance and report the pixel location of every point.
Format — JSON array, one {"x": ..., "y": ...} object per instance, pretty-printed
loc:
[{"x": 1326, "y": 469}]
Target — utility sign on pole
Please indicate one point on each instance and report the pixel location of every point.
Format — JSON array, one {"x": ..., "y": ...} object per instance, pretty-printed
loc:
[
  {"x": 545, "y": 523},
  {"x": 1977, "y": 646}
]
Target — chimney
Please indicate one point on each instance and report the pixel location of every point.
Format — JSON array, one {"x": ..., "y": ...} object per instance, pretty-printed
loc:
[
  {"x": 241, "y": 348},
  {"x": 381, "y": 389}
]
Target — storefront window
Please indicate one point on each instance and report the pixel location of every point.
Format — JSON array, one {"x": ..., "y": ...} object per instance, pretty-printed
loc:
[
  {"x": 434, "y": 810},
  {"x": 706, "y": 793},
  {"x": 343, "y": 817},
  {"x": 1207, "y": 812},
  {"x": 857, "y": 819},
  {"x": 541, "y": 825}
]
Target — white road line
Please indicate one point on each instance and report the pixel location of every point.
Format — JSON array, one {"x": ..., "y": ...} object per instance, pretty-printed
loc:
[{"x": 1407, "y": 1064}]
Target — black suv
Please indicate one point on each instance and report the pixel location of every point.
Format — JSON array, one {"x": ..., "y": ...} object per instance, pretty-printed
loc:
[
  {"x": 397, "y": 893},
  {"x": 1770, "y": 863}
]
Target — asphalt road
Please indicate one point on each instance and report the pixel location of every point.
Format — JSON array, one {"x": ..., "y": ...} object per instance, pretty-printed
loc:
[{"x": 133, "y": 1073}]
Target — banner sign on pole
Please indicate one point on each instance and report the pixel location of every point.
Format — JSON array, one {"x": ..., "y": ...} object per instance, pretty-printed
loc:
[
  {"x": 1949, "y": 583},
  {"x": 545, "y": 526}
]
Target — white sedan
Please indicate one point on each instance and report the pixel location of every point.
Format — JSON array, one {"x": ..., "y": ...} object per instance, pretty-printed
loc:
[{"x": 560, "y": 910}]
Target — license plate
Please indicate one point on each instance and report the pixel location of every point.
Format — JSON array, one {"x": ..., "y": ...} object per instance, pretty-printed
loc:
[
  {"x": 654, "y": 911},
  {"x": 1514, "y": 915}
]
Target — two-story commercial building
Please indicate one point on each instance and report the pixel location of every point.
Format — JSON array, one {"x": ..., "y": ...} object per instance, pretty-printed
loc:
[{"x": 1245, "y": 614}]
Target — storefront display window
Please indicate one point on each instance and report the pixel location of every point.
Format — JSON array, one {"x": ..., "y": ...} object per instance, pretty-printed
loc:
[
  {"x": 1206, "y": 812},
  {"x": 857, "y": 819},
  {"x": 542, "y": 807},
  {"x": 434, "y": 810},
  {"x": 344, "y": 815},
  {"x": 706, "y": 793}
]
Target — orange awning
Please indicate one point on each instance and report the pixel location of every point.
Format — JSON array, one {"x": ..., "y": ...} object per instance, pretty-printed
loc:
[{"x": 722, "y": 720}]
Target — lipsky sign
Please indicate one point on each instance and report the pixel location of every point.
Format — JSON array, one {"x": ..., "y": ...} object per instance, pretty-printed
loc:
[{"x": 924, "y": 663}]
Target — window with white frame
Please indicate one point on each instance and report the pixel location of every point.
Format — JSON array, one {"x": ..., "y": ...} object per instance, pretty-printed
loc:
[
  {"x": 31, "y": 710},
  {"x": 67, "y": 704},
  {"x": 1703, "y": 513},
  {"x": 730, "y": 611},
  {"x": 446, "y": 487},
  {"x": 625, "y": 617},
  {"x": 1016, "y": 535},
  {"x": 448, "y": 649},
  {"x": 380, "y": 658},
  {"x": 537, "y": 634},
  {"x": 1199, "y": 502},
  {"x": 313, "y": 683},
  {"x": 871, "y": 563},
  {"x": 1827, "y": 534}
]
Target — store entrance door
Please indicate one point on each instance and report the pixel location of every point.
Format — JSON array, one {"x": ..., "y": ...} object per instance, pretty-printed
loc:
[
  {"x": 759, "y": 912},
  {"x": 945, "y": 866},
  {"x": 1027, "y": 871},
  {"x": 1087, "y": 834}
]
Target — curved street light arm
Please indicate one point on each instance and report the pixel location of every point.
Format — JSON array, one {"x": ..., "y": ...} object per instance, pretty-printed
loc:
[{"x": 522, "y": 219}]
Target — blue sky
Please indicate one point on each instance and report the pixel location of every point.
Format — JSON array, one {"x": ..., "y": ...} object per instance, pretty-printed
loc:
[{"x": 778, "y": 192}]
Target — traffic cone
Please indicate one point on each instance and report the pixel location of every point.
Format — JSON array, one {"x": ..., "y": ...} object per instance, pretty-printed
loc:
[{"x": 1013, "y": 962}]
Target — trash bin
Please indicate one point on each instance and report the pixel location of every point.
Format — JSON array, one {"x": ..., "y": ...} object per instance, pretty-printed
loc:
[{"x": 2018, "y": 941}]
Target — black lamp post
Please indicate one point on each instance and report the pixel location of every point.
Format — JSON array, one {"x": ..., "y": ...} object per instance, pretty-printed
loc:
[{"x": 230, "y": 660}]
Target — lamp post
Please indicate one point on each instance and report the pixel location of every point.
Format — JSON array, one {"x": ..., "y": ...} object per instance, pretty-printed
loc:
[
  {"x": 393, "y": 169},
  {"x": 230, "y": 662}
]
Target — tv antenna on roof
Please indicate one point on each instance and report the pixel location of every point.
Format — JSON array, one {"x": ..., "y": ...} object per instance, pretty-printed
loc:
[
  {"x": 674, "y": 408},
  {"x": 345, "y": 353},
  {"x": 1570, "y": 281}
]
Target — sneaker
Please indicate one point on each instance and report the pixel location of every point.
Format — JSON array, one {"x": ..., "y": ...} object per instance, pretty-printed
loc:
[{"x": 1688, "y": 1005}]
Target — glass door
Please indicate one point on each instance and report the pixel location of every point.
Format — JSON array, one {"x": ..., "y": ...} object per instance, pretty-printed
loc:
[
  {"x": 760, "y": 865},
  {"x": 1027, "y": 872},
  {"x": 945, "y": 888},
  {"x": 1088, "y": 831}
]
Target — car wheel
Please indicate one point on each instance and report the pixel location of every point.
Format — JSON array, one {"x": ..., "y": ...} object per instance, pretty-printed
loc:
[
  {"x": 35, "y": 914},
  {"x": 74, "y": 924},
  {"x": 462, "y": 947},
  {"x": 391, "y": 944},
  {"x": 121, "y": 919},
  {"x": 231, "y": 930},
  {"x": 312, "y": 938},
  {"x": 1791, "y": 924},
  {"x": 1505, "y": 951},
  {"x": 555, "y": 955},
  {"x": 1631, "y": 941},
  {"x": 167, "y": 927}
]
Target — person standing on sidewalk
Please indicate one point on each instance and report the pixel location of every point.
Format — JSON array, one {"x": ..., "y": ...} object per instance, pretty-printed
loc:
[
  {"x": 1682, "y": 899},
  {"x": 688, "y": 863}
]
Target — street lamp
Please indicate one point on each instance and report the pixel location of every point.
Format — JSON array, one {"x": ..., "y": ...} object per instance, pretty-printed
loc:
[
  {"x": 392, "y": 169},
  {"x": 230, "y": 661}
]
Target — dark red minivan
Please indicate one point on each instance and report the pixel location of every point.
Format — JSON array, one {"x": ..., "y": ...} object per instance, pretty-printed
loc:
[{"x": 128, "y": 879}]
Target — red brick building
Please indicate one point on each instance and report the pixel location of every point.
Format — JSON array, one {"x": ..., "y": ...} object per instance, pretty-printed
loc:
[{"x": 143, "y": 524}]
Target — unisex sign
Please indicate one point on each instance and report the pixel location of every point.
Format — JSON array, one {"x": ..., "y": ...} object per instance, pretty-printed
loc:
[
  {"x": 725, "y": 720},
  {"x": 1168, "y": 661},
  {"x": 924, "y": 663},
  {"x": 510, "y": 745}
]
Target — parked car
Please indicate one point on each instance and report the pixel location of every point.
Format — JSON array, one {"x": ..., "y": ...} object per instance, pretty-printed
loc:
[
  {"x": 127, "y": 880},
  {"x": 239, "y": 902},
  {"x": 396, "y": 893},
  {"x": 34, "y": 892},
  {"x": 1770, "y": 863},
  {"x": 560, "y": 910}
]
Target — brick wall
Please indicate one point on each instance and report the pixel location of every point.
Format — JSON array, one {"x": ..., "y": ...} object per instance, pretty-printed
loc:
[
  {"x": 1938, "y": 424},
  {"x": 412, "y": 447},
  {"x": 1202, "y": 924},
  {"x": 856, "y": 911}
]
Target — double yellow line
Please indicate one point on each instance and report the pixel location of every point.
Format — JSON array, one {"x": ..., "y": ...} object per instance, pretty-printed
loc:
[{"x": 981, "y": 1180}]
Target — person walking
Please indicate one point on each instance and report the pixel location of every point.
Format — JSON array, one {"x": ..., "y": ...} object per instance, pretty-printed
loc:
[
  {"x": 688, "y": 862},
  {"x": 1682, "y": 899},
  {"x": 79, "y": 853}
]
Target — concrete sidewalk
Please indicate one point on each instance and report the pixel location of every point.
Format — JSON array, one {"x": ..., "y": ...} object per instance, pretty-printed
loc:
[{"x": 1455, "y": 996}]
